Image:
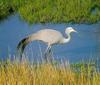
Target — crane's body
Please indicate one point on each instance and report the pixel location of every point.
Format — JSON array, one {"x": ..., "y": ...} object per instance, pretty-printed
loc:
[{"x": 48, "y": 36}]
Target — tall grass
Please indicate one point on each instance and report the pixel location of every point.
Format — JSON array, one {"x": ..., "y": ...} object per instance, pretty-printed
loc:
[{"x": 12, "y": 73}]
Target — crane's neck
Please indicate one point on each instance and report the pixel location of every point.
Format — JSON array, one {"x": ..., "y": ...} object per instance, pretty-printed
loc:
[{"x": 65, "y": 40}]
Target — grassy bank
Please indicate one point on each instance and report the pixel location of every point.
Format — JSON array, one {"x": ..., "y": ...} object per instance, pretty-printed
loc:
[
  {"x": 56, "y": 11},
  {"x": 47, "y": 74}
]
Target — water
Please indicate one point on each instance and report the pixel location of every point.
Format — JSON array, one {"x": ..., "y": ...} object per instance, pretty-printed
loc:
[{"x": 84, "y": 45}]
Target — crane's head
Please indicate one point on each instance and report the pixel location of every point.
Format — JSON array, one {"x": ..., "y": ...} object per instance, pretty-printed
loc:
[{"x": 69, "y": 30}]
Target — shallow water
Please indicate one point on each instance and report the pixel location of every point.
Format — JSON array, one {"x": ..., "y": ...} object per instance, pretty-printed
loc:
[{"x": 83, "y": 46}]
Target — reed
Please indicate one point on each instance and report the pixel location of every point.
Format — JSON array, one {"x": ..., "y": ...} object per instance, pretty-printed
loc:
[{"x": 12, "y": 73}]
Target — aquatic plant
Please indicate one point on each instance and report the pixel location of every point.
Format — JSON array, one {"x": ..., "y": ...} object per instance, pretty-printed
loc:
[{"x": 53, "y": 11}]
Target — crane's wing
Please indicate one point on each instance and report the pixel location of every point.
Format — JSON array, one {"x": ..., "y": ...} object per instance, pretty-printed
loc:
[{"x": 22, "y": 44}]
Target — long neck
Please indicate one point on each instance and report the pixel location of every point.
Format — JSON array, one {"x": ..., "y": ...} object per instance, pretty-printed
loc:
[{"x": 65, "y": 40}]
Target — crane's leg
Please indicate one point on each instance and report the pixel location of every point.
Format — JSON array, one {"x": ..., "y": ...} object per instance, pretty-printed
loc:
[
  {"x": 50, "y": 55},
  {"x": 47, "y": 49},
  {"x": 47, "y": 53}
]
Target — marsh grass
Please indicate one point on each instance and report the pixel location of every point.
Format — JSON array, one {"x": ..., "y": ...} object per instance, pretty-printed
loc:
[{"x": 13, "y": 73}]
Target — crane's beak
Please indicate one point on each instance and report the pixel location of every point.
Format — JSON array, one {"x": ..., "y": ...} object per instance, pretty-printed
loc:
[{"x": 75, "y": 31}]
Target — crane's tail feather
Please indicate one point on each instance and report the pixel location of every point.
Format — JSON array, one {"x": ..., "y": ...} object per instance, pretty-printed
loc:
[{"x": 22, "y": 44}]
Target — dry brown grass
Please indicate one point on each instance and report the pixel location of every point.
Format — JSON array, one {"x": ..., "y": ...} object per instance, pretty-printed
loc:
[{"x": 46, "y": 74}]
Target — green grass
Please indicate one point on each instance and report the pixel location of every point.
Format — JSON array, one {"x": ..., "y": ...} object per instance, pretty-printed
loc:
[
  {"x": 52, "y": 11},
  {"x": 13, "y": 73}
]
